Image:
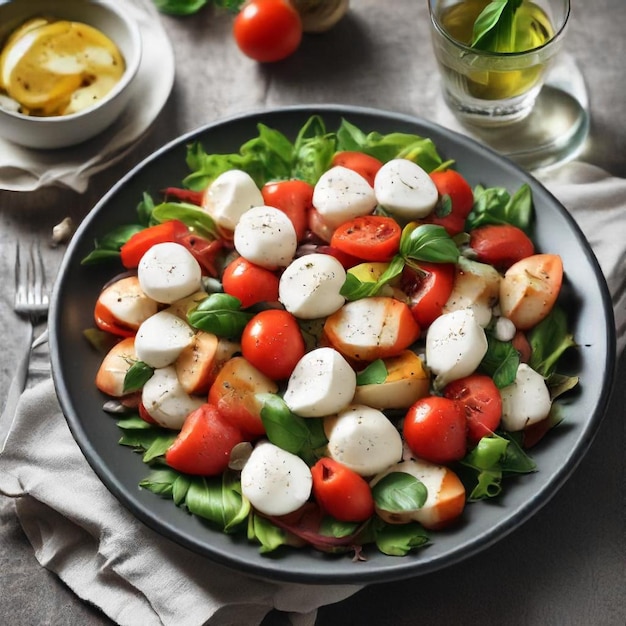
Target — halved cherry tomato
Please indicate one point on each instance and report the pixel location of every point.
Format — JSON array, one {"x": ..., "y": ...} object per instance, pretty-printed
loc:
[
  {"x": 145, "y": 416},
  {"x": 360, "y": 162},
  {"x": 139, "y": 243},
  {"x": 481, "y": 401},
  {"x": 456, "y": 200},
  {"x": 341, "y": 492},
  {"x": 203, "y": 445},
  {"x": 249, "y": 282},
  {"x": 500, "y": 245},
  {"x": 205, "y": 251},
  {"x": 292, "y": 197},
  {"x": 107, "y": 322},
  {"x": 368, "y": 237},
  {"x": 435, "y": 429},
  {"x": 428, "y": 289},
  {"x": 268, "y": 30},
  {"x": 273, "y": 343}
]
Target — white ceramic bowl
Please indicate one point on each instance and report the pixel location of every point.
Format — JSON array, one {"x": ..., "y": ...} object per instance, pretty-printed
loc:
[{"x": 69, "y": 130}]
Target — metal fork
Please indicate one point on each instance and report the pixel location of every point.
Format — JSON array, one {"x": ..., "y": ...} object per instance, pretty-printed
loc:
[{"x": 32, "y": 299}]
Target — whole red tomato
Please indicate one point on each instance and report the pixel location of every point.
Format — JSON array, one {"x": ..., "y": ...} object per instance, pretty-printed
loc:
[
  {"x": 273, "y": 343},
  {"x": 268, "y": 30},
  {"x": 435, "y": 429}
]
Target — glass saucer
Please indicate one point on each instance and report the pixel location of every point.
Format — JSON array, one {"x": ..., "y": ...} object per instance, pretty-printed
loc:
[{"x": 553, "y": 133}]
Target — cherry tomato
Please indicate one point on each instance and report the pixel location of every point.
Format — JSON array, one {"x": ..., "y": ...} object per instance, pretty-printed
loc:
[
  {"x": 268, "y": 30},
  {"x": 369, "y": 237},
  {"x": 203, "y": 445},
  {"x": 481, "y": 401},
  {"x": 435, "y": 429},
  {"x": 360, "y": 162},
  {"x": 292, "y": 197},
  {"x": 500, "y": 245},
  {"x": 107, "y": 322},
  {"x": 139, "y": 243},
  {"x": 319, "y": 227},
  {"x": 273, "y": 343},
  {"x": 456, "y": 200},
  {"x": 341, "y": 492},
  {"x": 250, "y": 282},
  {"x": 428, "y": 289}
]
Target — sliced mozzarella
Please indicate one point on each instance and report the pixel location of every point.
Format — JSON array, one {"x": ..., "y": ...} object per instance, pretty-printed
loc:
[
  {"x": 310, "y": 286},
  {"x": 166, "y": 401},
  {"x": 322, "y": 383},
  {"x": 405, "y": 189},
  {"x": 341, "y": 194},
  {"x": 161, "y": 338},
  {"x": 526, "y": 401},
  {"x": 455, "y": 345},
  {"x": 127, "y": 302},
  {"x": 363, "y": 439},
  {"x": 445, "y": 500},
  {"x": 169, "y": 272},
  {"x": 275, "y": 481},
  {"x": 476, "y": 286},
  {"x": 266, "y": 236},
  {"x": 229, "y": 196}
]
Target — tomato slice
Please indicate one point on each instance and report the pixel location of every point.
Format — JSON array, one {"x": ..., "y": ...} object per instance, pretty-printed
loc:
[
  {"x": 292, "y": 197},
  {"x": 107, "y": 322},
  {"x": 139, "y": 243},
  {"x": 481, "y": 401},
  {"x": 456, "y": 200},
  {"x": 362, "y": 163},
  {"x": 341, "y": 492},
  {"x": 428, "y": 289},
  {"x": 368, "y": 237},
  {"x": 250, "y": 283}
]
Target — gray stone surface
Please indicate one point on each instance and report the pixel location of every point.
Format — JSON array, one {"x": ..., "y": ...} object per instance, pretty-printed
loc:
[{"x": 566, "y": 566}]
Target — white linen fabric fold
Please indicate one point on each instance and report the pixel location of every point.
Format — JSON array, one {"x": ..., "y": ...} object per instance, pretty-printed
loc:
[
  {"x": 25, "y": 169},
  {"x": 107, "y": 557}
]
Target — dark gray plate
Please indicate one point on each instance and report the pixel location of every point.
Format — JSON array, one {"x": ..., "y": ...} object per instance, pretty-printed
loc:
[{"x": 75, "y": 363}]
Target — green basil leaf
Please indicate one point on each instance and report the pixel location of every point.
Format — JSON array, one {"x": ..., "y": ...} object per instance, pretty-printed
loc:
[
  {"x": 400, "y": 539},
  {"x": 313, "y": 150},
  {"x": 270, "y": 537},
  {"x": 484, "y": 465},
  {"x": 159, "y": 446},
  {"x": 179, "y": 7},
  {"x": 194, "y": 217},
  {"x": 331, "y": 527},
  {"x": 221, "y": 315},
  {"x": 500, "y": 361},
  {"x": 354, "y": 288},
  {"x": 549, "y": 340},
  {"x": 289, "y": 431},
  {"x": 399, "y": 492},
  {"x": 161, "y": 482},
  {"x": 137, "y": 376},
  {"x": 144, "y": 210},
  {"x": 515, "y": 460},
  {"x": 494, "y": 205},
  {"x": 374, "y": 374},
  {"x": 108, "y": 247},
  {"x": 428, "y": 242}
]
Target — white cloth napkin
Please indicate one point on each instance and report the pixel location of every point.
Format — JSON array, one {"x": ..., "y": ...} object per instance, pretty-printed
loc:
[
  {"x": 25, "y": 169},
  {"x": 80, "y": 532}
]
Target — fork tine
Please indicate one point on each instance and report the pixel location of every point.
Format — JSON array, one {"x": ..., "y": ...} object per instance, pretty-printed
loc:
[{"x": 31, "y": 288}]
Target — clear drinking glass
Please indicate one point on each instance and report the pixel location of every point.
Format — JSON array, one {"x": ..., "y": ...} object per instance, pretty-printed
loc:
[{"x": 495, "y": 88}]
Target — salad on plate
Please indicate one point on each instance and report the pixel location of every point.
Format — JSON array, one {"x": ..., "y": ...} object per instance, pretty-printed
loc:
[{"x": 333, "y": 341}]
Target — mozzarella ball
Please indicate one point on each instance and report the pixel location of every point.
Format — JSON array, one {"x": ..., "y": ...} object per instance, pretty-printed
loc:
[
  {"x": 455, "y": 345},
  {"x": 363, "y": 439},
  {"x": 310, "y": 286},
  {"x": 405, "y": 189},
  {"x": 229, "y": 196},
  {"x": 168, "y": 272},
  {"x": 161, "y": 338},
  {"x": 266, "y": 236},
  {"x": 322, "y": 383},
  {"x": 166, "y": 401},
  {"x": 341, "y": 194},
  {"x": 526, "y": 401},
  {"x": 275, "y": 481}
]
